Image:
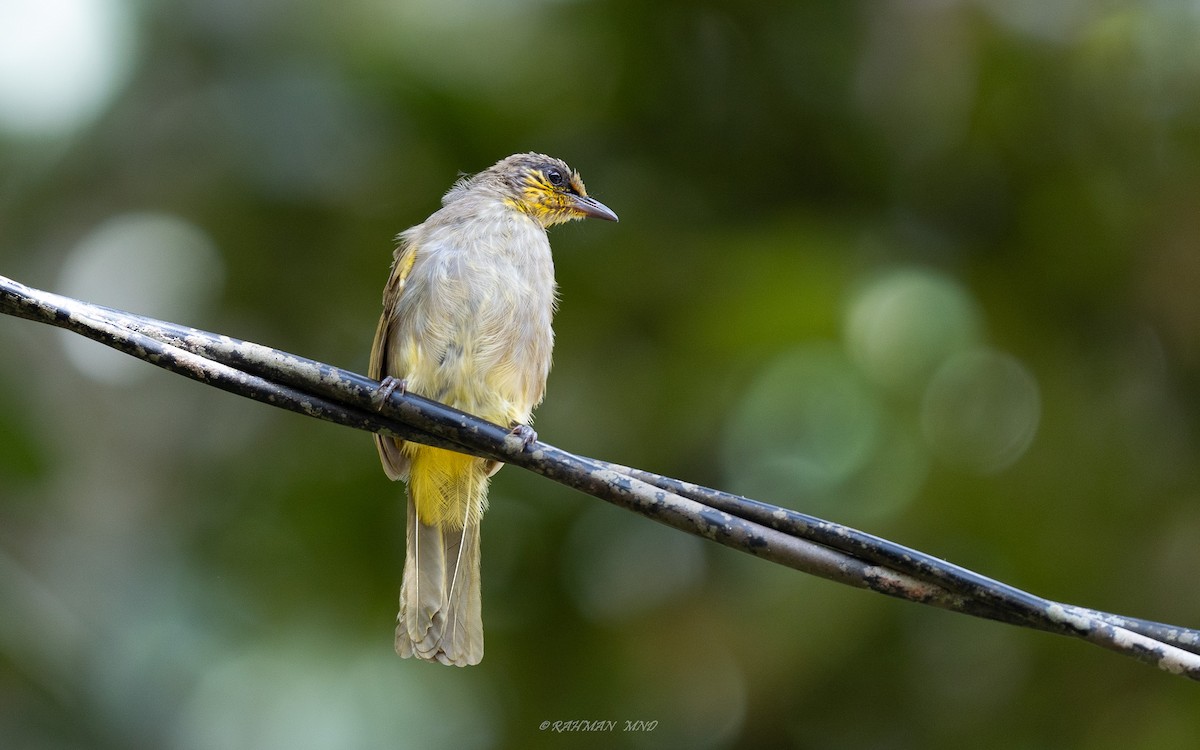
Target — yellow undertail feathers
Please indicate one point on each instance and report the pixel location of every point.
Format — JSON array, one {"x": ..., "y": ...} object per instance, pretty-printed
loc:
[
  {"x": 440, "y": 606},
  {"x": 448, "y": 488}
]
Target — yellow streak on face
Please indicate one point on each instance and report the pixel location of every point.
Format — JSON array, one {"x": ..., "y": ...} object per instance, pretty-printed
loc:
[{"x": 547, "y": 204}]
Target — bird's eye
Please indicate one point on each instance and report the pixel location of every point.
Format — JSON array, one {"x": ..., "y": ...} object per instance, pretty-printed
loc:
[{"x": 555, "y": 177}]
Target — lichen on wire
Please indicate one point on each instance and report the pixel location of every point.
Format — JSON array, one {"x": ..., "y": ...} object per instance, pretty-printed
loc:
[{"x": 780, "y": 535}]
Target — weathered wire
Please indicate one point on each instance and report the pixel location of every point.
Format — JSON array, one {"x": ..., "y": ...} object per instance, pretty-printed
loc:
[{"x": 783, "y": 536}]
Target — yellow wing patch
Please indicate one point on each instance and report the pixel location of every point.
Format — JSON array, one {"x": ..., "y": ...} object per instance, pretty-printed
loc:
[
  {"x": 405, "y": 257},
  {"x": 395, "y": 463}
]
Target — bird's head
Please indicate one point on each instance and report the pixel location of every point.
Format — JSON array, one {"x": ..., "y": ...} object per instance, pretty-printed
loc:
[{"x": 546, "y": 189}]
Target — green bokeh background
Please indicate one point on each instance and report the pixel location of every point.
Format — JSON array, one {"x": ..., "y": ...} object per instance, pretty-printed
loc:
[{"x": 930, "y": 269}]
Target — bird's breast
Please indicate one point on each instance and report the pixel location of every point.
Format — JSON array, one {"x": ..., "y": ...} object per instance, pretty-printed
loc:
[{"x": 474, "y": 321}]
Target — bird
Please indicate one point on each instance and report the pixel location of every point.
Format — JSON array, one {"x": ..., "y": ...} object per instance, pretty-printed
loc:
[{"x": 467, "y": 313}]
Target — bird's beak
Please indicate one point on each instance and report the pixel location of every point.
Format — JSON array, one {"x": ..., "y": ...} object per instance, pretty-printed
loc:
[{"x": 593, "y": 208}]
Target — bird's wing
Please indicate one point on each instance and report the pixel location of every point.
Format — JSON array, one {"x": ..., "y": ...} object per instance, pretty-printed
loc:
[
  {"x": 395, "y": 463},
  {"x": 405, "y": 255}
]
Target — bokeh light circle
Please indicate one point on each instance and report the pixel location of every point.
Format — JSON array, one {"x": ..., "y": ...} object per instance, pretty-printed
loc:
[
  {"x": 147, "y": 263},
  {"x": 806, "y": 425},
  {"x": 981, "y": 410},
  {"x": 61, "y": 61},
  {"x": 901, "y": 326}
]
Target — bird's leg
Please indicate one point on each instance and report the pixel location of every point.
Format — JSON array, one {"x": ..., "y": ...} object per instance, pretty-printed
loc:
[
  {"x": 387, "y": 387},
  {"x": 525, "y": 434}
]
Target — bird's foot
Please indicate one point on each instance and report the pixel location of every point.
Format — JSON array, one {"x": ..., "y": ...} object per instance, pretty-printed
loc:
[
  {"x": 387, "y": 387},
  {"x": 525, "y": 434}
]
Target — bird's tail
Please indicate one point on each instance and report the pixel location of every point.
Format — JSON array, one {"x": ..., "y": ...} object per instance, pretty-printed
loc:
[{"x": 440, "y": 615}]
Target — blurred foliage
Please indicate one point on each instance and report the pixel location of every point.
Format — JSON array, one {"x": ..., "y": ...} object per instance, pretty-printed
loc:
[{"x": 925, "y": 268}]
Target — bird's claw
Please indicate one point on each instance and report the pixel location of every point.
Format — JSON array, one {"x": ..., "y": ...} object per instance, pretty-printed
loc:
[
  {"x": 387, "y": 387},
  {"x": 525, "y": 434}
]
